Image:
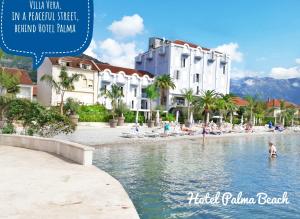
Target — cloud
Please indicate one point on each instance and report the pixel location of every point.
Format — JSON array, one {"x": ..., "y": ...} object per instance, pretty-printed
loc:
[
  {"x": 128, "y": 26},
  {"x": 298, "y": 61},
  {"x": 241, "y": 73},
  {"x": 285, "y": 73},
  {"x": 249, "y": 82},
  {"x": 91, "y": 51},
  {"x": 232, "y": 50},
  {"x": 296, "y": 84},
  {"x": 118, "y": 53}
]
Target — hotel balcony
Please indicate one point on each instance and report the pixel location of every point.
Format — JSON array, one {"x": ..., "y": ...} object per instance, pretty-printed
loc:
[
  {"x": 198, "y": 55},
  {"x": 186, "y": 52},
  {"x": 211, "y": 58},
  {"x": 150, "y": 55},
  {"x": 138, "y": 59},
  {"x": 224, "y": 60},
  {"x": 162, "y": 50}
]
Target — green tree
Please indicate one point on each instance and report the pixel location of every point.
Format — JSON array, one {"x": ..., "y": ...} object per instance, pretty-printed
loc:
[
  {"x": 230, "y": 105},
  {"x": 250, "y": 107},
  {"x": 164, "y": 83},
  {"x": 9, "y": 83},
  {"x": 114, "y": 94},
  {"x": 188, "y": 95},
  {"x": 152, "y": 94},
  {"x": 65, "y": 83},
  {"x": 207, "y": 101}
]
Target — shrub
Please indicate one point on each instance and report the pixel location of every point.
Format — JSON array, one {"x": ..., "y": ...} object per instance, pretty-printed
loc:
[
  {"x": 36, "y": 119},
  {"x": 8, "y": 129},
  {"x": 71, "y": 107},
  {"x": 168, "y": 117},
  {"x": 93, "y": 113},
  {"x": 131, "y": 115}
]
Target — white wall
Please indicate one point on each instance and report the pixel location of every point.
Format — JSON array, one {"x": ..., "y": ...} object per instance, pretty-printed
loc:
[
  {"x": 128, "y": 82},
  {"x": 211, "y": 73}
]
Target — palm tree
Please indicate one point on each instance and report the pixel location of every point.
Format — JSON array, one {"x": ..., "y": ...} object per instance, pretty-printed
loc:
[
  {"x": 189, "y": 97},
  {"x": 164, "y": 83},
  {"x": 230, "y": 105},
  {"x": 250, "y": 107},
  {"x": 65, "y": 83},
  {"x": 115, "y": 94},
  {"x": 291, "y": 111},
  {"x": 9, "y": 87},
  {"x": 220, "y": 106},
  {"x": 208, "y": 101},
  {"x": 152, "y": 94},
  {"x": 282, "y": 111},
  {"x": 9, "y": 84},
  {"x": 260, "y": 109}
]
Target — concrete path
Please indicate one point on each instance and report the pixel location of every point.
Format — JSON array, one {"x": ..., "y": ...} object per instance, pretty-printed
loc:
[{"x": 36, "y": 184}]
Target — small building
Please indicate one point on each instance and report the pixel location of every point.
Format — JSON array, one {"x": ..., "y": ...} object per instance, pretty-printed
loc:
[
  {"x": 133, "y": 83},
  {"x": 85, "y": 89},
  {"x": 274, "y": 106},
  {"x": 26, "y": 85},
  {"x": 189, "y": 65},
  {"x": 96, "y": 78}
]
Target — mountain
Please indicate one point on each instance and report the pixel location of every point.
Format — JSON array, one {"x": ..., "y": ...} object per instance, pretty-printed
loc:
[{"x": 264, "y": 88}]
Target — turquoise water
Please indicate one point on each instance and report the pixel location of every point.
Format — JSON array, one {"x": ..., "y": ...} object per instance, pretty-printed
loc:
[{"x": 158, "y": 177}]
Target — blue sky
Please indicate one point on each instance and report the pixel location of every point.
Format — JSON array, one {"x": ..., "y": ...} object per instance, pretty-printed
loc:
[{"x": 263, "y": 37}]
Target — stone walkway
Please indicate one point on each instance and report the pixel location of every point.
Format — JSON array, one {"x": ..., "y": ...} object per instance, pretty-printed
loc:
[{"x": 36, "y": 184}]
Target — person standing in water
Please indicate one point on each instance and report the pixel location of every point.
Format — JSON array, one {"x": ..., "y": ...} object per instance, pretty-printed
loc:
[{"x": 272, "y": 150}]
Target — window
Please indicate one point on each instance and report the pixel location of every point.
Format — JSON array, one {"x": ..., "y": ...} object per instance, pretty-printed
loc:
[
  {"x": 85, "y": 66},
  {"x": 224, "y": 69},
  {"x": 198, "y": 90},
  {"x": 104, "y": 88},
  {"x": 183, "y": 62},
  {"x": 66, "y": 64},
  {"x": 144, "y": 94},
  {"x": 90, "y": 84},
  {"x": 177, "y": 75},
  {"x": 197, "y": 78},
  {"x": 122, "y": 90},
  {"x": 132, "y": 104},
  {"x": 135, "y": 92}
]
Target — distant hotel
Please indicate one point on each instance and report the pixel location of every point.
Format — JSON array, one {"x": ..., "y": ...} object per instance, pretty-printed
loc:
[
  {"x": 189, "y": 65},
  {"x": 97, "y": 77}
]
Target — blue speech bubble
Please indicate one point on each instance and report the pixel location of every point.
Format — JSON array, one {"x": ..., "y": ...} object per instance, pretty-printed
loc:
[{"x": 46, "y": 28}]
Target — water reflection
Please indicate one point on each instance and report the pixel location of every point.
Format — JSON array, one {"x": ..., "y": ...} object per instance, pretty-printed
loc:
[{"x": 158, "y": 177}]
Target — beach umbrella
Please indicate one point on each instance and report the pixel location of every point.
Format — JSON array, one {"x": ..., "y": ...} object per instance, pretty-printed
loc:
[
  {"x": 137, "y": 117},
  {"x": 177, "y": 116},
  {"x": 157, "y": 117}
]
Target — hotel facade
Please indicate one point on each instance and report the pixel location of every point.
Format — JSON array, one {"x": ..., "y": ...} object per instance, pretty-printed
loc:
[
  {"x": 96, "y": 77},
  {"x": 189, "y": 65}
]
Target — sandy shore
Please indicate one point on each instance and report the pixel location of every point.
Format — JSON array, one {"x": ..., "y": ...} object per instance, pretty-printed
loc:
[
  {"x": 98, "y": 136},
  {"x": 36, "y": 184}
]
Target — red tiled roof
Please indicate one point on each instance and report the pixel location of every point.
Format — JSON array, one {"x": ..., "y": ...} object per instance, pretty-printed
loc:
[
  {"x": 20, "y": 73},
  {"x": 276, "y": 103},
  {"x": 127, "y": 71},
  {"x": 180, "y": 42},
  {"x": 74, "y": 62},
  {"x": 240, "y": 102}
]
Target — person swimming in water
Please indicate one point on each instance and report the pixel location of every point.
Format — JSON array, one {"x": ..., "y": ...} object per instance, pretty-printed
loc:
[{"x": 272, "y": 150}]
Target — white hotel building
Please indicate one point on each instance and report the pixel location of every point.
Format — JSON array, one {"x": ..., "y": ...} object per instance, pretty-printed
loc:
[
  {"x": 96, "y": 77},
  {"x": 189, "y": 65}
]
